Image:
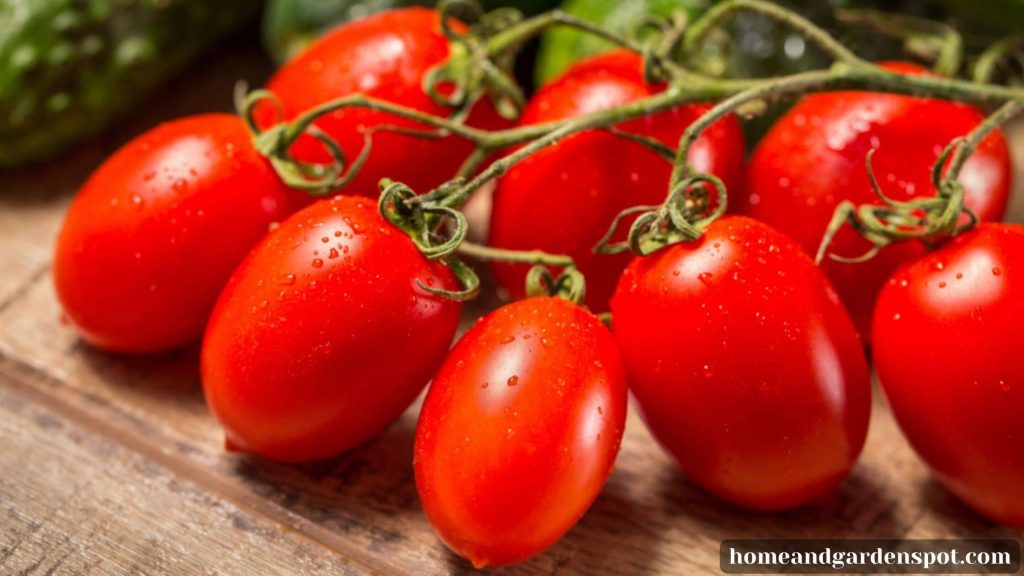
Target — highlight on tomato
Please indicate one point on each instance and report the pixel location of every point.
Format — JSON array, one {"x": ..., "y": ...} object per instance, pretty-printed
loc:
[
  {"x": 325, "y": 333},
  {"x": 947, "y": 334},
  {"x": 585, "y": 180},
  {"x": 812, "y": 159},
  {"x": 744, "y": 364},
  {"x": 519, "y": 430},
  {"x": 155, "y": 232}
]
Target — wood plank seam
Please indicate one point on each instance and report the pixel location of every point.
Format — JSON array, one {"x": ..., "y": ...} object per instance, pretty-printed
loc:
[
  {"x": 12, "y": 370},
  {"x": 25, "y": 286}
]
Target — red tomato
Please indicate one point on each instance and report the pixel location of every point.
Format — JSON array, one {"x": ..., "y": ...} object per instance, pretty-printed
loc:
[
  {"x": 519, "y": 430},
  {"x": 947, "y": 337},
  {"x": 323, "y": 336},
  {"x": 744, "y": 364},
  {"x": 813, "y": 158},
  {"x": 155, "y": 232},
  {"x": 563, "y": 199},
  {"x": 384, "y": 56}
]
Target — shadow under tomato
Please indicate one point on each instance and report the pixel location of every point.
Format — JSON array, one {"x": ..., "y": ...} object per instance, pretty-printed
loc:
[
  {"x": 169, "y": 376},
  {"x": 858, "y": 508},
  {"x": 350, "y": 494},
  {"x": 955, "y": 517}
]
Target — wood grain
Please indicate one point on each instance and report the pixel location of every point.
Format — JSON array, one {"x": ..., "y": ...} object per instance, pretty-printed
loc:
[{"x": 113, "y": 465}]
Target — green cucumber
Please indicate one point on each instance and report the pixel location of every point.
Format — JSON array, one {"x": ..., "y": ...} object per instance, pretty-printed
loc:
[{"x": 68, "y": 68}]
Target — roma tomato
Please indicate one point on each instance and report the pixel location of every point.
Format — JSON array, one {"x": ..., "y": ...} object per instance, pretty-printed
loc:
[
  {"x": 519, "y": 430},
  {"x": 384, "y": 56},
  {"x": 155, "y": 232},
  {"x": 813, "y": 158},
  {"x": 324, "y": 335},
  {"x": 744, "y": 364},
  {"x": 563, "y": 199},
  {"x": 947, "y": 336}
]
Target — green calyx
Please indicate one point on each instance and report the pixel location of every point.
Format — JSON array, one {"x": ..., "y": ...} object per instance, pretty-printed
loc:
[
  {"x": 436, "y": 230},
  {"x": 692, "y": 205}
]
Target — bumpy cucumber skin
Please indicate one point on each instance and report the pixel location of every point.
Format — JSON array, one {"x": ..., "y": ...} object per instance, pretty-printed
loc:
[{"x": 70, "y": 67}]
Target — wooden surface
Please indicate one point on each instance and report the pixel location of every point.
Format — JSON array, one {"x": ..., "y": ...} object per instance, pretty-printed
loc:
[{"x": 113, "y": 465}]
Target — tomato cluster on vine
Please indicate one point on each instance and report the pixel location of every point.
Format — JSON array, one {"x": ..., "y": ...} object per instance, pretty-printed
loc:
[{"x": 322, "y": 320}]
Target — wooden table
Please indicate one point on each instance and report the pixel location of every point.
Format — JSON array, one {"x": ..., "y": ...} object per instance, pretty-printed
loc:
[{"x": 113, "y": 465}]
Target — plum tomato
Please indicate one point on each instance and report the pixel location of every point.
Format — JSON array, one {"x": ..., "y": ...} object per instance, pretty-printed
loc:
[
  {"x": 813, "y": 158},
  {"x": 947, "y": 336},
  {"x": 155, "y": 232},
  {"x": 744, "y": 364},
  {"x": 324, "y": 334},
  {"x": 384, "y": 56},
  {"x": 519, "y": 430},
  {"x": 563, "y": 199}
]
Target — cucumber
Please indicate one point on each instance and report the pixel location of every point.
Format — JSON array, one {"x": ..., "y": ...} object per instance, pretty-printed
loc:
[
  {"x": 68, "y": 68},
  {"x": 289, "y": 25}
]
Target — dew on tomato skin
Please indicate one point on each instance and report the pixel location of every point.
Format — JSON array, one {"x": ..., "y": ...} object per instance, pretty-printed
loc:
[
  {"x": 896, "y": 316},
  {"x": 1004, "y": 385},
  {"x": 705, "y": 278},
  {"x": 512, "y": 381},
  {"x": 286, "y": 280},
  {"x": 942, "y": 284},
  {"x": 179, "y": 185},
  {"x": 485, "y": 384},
  {"x": 938, "y": 265},
  {"x": 317, "y": 263},
  {"x": 508, "y": 339},
  {"x": 997, "y": 272},
  {"x": 959, "y": 275}
]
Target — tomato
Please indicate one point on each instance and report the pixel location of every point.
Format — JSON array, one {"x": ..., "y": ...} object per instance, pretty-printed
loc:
[
  {"x": 813, "y": 159},
  {"x": 746, "y": 367},
  {"x": 563, "y": 199},
  {"x": 947, "y": 335},
  {"x": 519, "y": 430},
  {"x": 383, "y": 56},
  {"x": 155, "y": 232},
  {"x": 324, "y": 335}
]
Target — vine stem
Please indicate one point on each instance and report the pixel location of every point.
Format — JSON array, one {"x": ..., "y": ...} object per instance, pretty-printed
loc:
[
  {"x": 840, "y": 77},
  {"x": 970, "y": 143},
  {"x": 535, "y": 257}
]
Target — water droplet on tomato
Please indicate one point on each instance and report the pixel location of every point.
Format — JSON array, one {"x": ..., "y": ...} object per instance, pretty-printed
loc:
[
  {"x": 997, "y": 272},
  {"x": 1004, "y": 385},
  {"x": 318, "y": 262},
  {"x": 286, "y": 280},
  {"x": 179, "y": 185},
  {"x": 508, "y": 339},
  {"x": 513, "y": 380},
  {"x": 705, "y": 278}
]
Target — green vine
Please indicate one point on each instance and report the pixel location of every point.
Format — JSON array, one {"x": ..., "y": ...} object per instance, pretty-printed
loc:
[{"x": 480, "y": 63}]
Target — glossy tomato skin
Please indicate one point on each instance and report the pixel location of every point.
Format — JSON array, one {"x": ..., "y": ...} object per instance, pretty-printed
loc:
[
  {"x": 947, "y": 336},
  {"x": 813, "y": 158},
  {"x": 746, "y": 367},
  {"x": 519, "y": 430},
  {"x": 383, "y": 56},
  {"x": 322, "y": 337},
  {"x": 155, "y": 232},
  {"x": 563, "y": 199}
]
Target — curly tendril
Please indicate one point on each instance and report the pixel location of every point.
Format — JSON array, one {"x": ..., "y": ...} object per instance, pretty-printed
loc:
[{"x": 688, "y": 210}]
